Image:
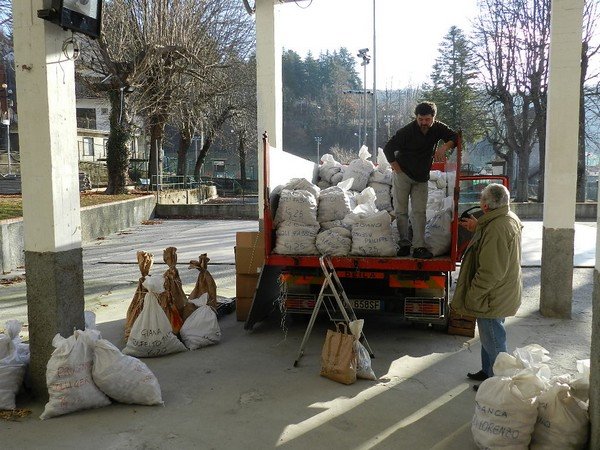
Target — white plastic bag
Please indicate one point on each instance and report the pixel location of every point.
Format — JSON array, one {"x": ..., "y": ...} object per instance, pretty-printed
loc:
[
  {"x": 363, "y": 366},
  {"x": 14, "y": 358},
  {"x": 124, "y": 378},
  {"x": 201, "y": 328},
  {"x": 69, "y": 375},
  {"x": 437, "y": 233},
  {"x": 152, "y": 333}
]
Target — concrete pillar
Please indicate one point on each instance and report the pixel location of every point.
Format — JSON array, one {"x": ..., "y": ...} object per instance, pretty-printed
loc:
[
  {"x": 269, "y": 93},
  {"x": 50, "y": 183},
  {"x": 561, "y": 158}
]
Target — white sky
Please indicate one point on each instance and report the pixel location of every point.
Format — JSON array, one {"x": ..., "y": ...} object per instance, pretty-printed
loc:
[{"x": 408, "y": 32}]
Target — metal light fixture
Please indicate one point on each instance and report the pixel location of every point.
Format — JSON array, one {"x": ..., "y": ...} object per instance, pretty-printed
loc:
[{"x": 80, "y": 16}]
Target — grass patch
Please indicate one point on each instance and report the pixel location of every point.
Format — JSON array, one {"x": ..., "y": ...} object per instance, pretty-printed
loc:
[{"x": 11, "y": 206}]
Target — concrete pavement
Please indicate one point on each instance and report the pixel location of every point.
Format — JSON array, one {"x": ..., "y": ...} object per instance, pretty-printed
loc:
[{"x": 244, "y": 393}]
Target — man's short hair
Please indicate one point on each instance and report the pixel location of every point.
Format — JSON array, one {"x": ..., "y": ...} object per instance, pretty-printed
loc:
[
  {"x": 495, "y": 195},
  {"x": 426, "y": 109}
]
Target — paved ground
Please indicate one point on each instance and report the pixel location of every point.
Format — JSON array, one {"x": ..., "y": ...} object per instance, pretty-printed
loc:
[{"x": 244, "y": 393}]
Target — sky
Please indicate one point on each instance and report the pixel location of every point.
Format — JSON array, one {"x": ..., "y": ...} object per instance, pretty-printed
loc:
[{"x": 408, "y": 33}]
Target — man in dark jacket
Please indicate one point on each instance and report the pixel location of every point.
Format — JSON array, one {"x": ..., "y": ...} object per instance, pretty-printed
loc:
[
  {"x": 489, "y": 282},
  {"x": 410, "y": 152}
]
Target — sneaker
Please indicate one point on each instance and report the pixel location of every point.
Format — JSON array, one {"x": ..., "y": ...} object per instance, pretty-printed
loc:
[
  {"x": 404, "y": 250},
  {"x": 422, "y": 253},
  {"x": 479, "y": 376}
]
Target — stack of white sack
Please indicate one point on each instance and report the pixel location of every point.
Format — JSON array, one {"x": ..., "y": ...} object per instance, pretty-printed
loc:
[
  {"x": 371, "y": 229},
  {"x": 522, "y": 404},
  {"x": 563, "y": 419},
  {"x": 85, "y": 370},
  {"x": 328, "y": 170},
  {"x": 336, "y": 241},
  {"x": 381, "y": 181},
  {"x": 438, "y": 214},
  {"x": 359, "y": 170},
  {"x": 14, "y": 359},
  {"x": 296, "y": 218}
]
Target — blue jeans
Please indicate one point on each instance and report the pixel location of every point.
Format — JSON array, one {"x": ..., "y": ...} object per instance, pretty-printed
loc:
[{"x": 493, "y": 341}]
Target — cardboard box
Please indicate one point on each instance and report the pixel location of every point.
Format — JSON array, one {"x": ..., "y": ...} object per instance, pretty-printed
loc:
[
  {"x": 245, "y": 285},
  {"x": 242, "y": 308},
  {"x": 249, "y": 252},
  {"x": 462, "y": 326}
]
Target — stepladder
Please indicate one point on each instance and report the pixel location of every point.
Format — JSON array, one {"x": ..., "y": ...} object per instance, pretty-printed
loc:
[{"x": 333, "y": 299}]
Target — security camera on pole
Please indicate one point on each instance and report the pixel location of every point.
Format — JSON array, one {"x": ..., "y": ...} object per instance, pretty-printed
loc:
[{"x": 363, "y": 53}]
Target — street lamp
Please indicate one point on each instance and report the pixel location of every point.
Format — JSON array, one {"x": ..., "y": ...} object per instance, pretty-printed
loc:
[
  {"x": 363, "y": 53},
  {"x": 318, "y": 140}
]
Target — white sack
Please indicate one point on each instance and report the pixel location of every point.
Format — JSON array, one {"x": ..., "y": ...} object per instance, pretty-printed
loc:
[
  {"x": 506, "y": 411},
  {"x": 201, "y": 328},
  {"x": 383, "y": 196},
  {"x": 359, "y": 170},
  {"x": 293, "y": 238},
  {"x": 329, "y": 167},
  {"x": 124, "y": 378},
  {"x": 69, "y": 375},
  {"x": 334, "y": 204},
  {"x": 372, "y": 236},
  {"x": 152, "y": 333},
  {"x": 14, "y": 358},
  {"x": 337, "y": 177},
  {"x": 336, "y": 241},
  {"x": 298, "y": 206},
  {"x": 437, "y": 233},
  {"x": 302, "y": 184},
  {"x": 562, "y": 420}
]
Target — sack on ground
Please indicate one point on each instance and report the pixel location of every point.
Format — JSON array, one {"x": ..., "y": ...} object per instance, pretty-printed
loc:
[
  {"x": 151, "y": 333},
  {"x": 124, "y": 378},
  {"x": 69, "y": 375},
  {"x": 338, "y": 357},
  {"x": 145, "y": 261},
  {"x": 14, "y": 358},
  {"x": 201, "y": 329},
  {"x": 506, "y": 411},
  {"x": 562, "y": 420}
]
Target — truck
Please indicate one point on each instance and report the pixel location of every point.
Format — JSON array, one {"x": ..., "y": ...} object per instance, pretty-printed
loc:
[{"x": 414, "y": 289}]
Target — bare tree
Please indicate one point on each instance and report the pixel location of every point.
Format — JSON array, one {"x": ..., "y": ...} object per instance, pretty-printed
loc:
[
  {"x": 511, "y": 42},
  {"x": 589, "y": 51},
  {"x": 160, "y": 49}
]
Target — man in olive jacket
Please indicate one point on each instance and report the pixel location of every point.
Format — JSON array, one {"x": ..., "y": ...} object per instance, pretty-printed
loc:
[{"x": 489, "y": 282}]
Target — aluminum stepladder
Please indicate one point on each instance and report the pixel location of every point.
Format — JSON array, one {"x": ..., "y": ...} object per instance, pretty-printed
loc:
[{"x": 333, "y": 283}]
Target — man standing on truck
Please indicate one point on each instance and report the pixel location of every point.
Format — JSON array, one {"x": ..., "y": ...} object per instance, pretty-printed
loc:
[
  {"x": 489, "y": 282},
  {"x": 411, "y": 152}
]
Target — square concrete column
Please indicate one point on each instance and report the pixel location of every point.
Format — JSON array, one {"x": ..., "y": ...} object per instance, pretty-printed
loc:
[
  {"x": 50, "y": 182},
  {"x": 269, "y": 93},
  {"x": 561, "y": 158}
]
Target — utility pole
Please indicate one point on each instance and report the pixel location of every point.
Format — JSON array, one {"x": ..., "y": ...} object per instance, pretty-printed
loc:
[
  {"x": 363, "y": 53},
  {"x": 374, "y": 89},
  {"x": 318, "y": 141}
]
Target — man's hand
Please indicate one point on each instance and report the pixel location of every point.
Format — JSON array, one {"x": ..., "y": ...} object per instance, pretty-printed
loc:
[
  {"x": 440, "y": 155},
  {"x": 395, "y": 167},
  {"x": 468, "y": 223}
]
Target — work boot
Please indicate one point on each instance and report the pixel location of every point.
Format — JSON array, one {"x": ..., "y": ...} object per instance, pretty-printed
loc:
[
  {"x": 404, "y": 250},
  {"x": 479, "y": 376},
  {"x": 422, "y": 253}
]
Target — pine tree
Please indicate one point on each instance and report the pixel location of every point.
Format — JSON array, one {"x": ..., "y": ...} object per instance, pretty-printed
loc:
[{"x": 453, "y": 86}]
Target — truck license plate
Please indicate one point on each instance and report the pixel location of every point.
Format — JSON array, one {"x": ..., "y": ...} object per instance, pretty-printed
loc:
[{"x": 373, "y": 305}]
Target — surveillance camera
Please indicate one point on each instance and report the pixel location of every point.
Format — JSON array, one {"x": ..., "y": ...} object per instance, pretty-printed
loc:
[{"x": 363, "y": 50}]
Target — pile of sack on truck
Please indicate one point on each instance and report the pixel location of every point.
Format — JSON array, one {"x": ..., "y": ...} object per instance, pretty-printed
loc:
[
  {"x": 86, "y": 371},
  {"x": 350, "y": 211}
]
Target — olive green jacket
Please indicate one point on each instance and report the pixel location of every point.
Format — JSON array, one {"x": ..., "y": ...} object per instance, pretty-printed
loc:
[{"x": 489, "y": 282}]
